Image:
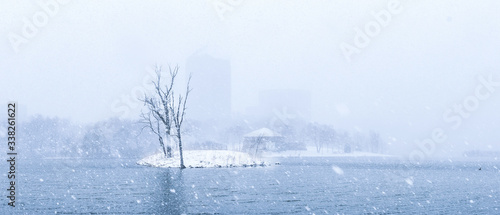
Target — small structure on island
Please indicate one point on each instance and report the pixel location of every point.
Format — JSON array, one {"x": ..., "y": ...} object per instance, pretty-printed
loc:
[{"x": 263, "y": 139}]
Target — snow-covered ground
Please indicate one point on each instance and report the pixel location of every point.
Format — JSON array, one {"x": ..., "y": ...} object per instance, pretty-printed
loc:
[
  {"x": 203, "y": 159},
  {"x": 312, "y": 152}
]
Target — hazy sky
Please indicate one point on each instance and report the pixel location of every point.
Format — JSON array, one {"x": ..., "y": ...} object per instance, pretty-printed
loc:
[{"x": 84, "y": 56}]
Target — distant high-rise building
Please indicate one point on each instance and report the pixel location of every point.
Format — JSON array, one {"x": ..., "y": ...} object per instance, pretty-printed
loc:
[{"x": 211, "y": 84}]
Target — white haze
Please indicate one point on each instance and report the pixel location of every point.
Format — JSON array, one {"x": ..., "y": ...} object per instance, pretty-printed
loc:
[{"x": 92, "y": 54}]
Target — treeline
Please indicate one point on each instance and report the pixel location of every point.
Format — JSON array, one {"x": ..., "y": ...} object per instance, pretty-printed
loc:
[
  {"x": 51, "y": 137},
  {"x": 325, "y": 138},
  {"x": 297, "y": 135},
  {"x": 45, "y": 137}
]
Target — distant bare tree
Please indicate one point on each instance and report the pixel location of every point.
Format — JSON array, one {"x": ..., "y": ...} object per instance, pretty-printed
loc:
[
  {"x": 328, "y": 135},
  {"x": 359, "y": 141},
  {"x": 178, "y": 111},
  {"x": 257, "y": 142},
  {"x": 319, "y": 135}
]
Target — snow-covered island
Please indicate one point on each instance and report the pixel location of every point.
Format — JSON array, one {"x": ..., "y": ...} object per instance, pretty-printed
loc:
[
  {"x": 227, "y": 158},
  {"x": 204, "y": 159}
]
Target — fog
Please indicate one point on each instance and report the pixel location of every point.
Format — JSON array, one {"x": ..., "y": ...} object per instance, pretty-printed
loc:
[{"x": 410, "y": 71}]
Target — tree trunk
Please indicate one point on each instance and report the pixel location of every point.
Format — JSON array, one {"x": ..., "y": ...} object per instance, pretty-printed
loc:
[
  {"x": 169, "y": 145},
  {"x": 169, "y": 152},
  {"x": 180, "y": 149},
  {"x": 162, "y": 145},
  {"x": 256, "y": 149}
]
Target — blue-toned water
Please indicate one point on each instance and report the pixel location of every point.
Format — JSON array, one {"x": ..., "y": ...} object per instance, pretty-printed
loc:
[{"x": 297, "y": 186}]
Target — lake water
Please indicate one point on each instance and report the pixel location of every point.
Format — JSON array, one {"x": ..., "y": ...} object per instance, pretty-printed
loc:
[{"x": 297, "y": 186}]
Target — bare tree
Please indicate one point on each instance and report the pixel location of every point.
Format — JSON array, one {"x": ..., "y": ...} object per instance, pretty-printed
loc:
[
  {"x": 158, "y": 105},
  {"x": 259, "y": 141},
  {"x": 316, "y": 135},
  {"x": 154, "y": 126},
  {"x": 178, "y": 111},
  {"x": 252, "y": 144}
]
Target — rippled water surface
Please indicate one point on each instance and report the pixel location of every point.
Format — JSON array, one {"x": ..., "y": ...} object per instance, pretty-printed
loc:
[{"x": 297, "y": 186}]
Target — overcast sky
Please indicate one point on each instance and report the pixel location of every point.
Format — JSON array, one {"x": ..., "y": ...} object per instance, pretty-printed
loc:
[{"x": 424, "y": 59}]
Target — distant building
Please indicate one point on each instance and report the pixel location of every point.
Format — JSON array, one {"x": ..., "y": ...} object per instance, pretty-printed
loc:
[
  {"x": 263, "y": 139},
  {"x": 211, "y": 84}
]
